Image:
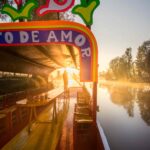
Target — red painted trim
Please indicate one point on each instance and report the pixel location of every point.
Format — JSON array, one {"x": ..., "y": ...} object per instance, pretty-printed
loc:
[
  {"x": 60, "y": 3},
  {"x": 50, "y": 11}
]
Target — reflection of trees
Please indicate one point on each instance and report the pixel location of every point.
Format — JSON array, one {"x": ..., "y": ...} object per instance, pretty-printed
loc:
[
  {"x": 144, "y": 105},
  {"x": 123, "y": 96}
]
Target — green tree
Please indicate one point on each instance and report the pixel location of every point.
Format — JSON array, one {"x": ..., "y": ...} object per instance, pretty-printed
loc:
[
  {"x": 143, "y": 61},
  {"x": 147, "y": 63},
  {"x": 117, "y": 66},
  {"x": 140, "y": 59},
  {"x": 121, "y": 67},
  {"x": 128, "y": 62}
]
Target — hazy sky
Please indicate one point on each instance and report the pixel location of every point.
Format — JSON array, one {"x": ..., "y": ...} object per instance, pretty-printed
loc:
[{"x": 119, "y": 24}]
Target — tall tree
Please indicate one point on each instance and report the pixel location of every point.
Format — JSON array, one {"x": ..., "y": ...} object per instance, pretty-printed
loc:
[
  {"x": 143, "y": 61},
  {"x": 121, "y": 66},
  {"x": 128, "y": 62},
  {"x": 117, "y": 66}
]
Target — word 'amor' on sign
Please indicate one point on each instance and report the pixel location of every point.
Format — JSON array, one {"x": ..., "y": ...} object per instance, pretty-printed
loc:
[
  {"x": 55, "y": 32},
  {"x": 46, "y": 36}
]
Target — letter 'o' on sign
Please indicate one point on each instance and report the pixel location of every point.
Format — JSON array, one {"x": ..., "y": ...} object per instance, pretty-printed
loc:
[{"x": 55, "y": 32}]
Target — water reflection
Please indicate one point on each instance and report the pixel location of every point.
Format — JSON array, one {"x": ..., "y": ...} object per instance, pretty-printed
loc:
[
  {"x": 123, "y": 96},
  {"x": 143, "y": 99},
  {"x": 127, "y": 97},
  {"x": 125, "y": 116}
]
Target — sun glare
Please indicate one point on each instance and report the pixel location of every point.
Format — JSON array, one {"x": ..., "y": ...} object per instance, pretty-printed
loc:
[
  {"x": 71, "y": 70},
  {"x": 73, "y": 75}
]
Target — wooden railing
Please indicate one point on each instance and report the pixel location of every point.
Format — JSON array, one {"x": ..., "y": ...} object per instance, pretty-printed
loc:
[{"x": 12, "y": 118}]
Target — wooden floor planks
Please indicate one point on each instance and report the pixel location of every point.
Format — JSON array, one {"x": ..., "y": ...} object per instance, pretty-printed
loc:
[
  {"x": 66, "y": 139},
  {"x": 44, "y": 136},
  {"x": 57, "y": 135}
]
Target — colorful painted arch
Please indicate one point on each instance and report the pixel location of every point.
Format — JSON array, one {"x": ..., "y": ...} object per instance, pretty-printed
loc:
[{"x": 47, "y": 32}]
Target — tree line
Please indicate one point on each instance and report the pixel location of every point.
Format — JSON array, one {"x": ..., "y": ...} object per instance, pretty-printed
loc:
[{"x": 125, "y": 68}]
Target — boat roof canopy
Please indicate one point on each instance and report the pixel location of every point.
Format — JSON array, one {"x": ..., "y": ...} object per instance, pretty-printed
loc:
[{"x": 38, "y": 59}]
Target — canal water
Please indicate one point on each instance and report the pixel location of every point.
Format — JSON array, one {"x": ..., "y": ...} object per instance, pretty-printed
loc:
[{"x": 124, "y": 114}]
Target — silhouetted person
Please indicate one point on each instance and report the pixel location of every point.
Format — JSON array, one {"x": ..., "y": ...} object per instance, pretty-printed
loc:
[{"x": 65, "y": 78}]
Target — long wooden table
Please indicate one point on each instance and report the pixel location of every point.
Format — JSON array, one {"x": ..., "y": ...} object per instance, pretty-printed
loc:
[{"x": 51, "y": 98}]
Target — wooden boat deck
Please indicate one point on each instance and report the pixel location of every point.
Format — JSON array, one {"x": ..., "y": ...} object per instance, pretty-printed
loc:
[{"x": 50, "y": 136}]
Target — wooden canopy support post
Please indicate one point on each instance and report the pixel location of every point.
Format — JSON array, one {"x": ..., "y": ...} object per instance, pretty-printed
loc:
[
  {"x": 94, "y": 92},
  {"x": 94, "y": 101},
  {"x": 94, "y": 98}
]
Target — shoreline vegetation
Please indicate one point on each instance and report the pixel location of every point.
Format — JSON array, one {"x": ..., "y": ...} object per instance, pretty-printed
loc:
[{"x": 124, "y": 68}]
